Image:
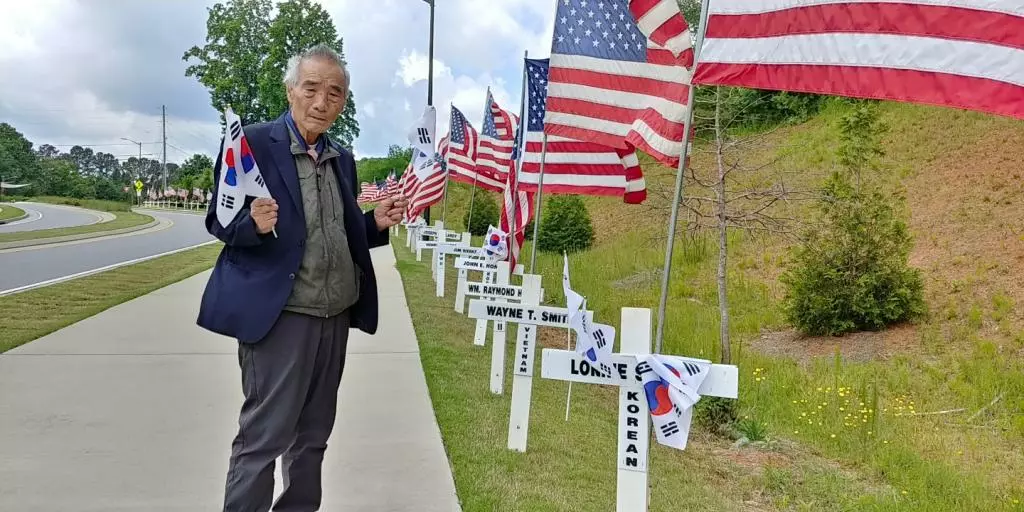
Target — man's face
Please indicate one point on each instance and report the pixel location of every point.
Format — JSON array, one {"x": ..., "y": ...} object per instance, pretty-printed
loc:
[{"x": 319, "y": 97}]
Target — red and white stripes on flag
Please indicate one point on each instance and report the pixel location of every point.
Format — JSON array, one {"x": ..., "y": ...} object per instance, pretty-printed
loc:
[
  {"x": 464, "y": 142},
  {"x": 367, "y": 193},
  {"x": 497, "y": 140},
  {"x": 965, "y": 54},
  {"x": 515, "y": 215},
  {"x": 572, "y": 166},
  {"x": 430, "y": 190},
  {"x": 392, "y": 185},
  {"x": 612, "y": 85}
]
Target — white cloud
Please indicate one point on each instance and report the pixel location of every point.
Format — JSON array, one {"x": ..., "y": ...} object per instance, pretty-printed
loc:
[{"x": 77, "y": 71}]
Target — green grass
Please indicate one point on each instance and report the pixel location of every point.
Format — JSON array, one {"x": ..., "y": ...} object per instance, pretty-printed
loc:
[
  {"x": 91, "y": 204},
  {"x": 122, "y": 220},
  {"x": 31, "y": 314},
  {"x": 8, "y": 212},
  {"x": 826, "y": 451}
]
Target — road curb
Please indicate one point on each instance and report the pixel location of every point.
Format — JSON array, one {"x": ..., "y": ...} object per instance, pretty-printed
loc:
[
  {"x": 15, "y": 219},
  {"x": 71, "y": 238}
]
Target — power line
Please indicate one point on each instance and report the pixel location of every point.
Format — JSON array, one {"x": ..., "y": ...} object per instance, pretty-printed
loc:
[{"x": 96, "y": 145}]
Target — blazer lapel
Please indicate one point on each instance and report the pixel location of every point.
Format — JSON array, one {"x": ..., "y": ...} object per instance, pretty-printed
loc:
[{"x": 281, "y": 148}]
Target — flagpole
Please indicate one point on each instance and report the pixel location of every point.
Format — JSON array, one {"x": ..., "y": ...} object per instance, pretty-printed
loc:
[
  {"x": 444, "y": 209},
  {"x": 680, "y": 181},
  {"x": 540, "y": 196}
]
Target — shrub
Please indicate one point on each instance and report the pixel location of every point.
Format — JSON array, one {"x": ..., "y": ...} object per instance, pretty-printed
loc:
[
  {"x": 565, "y": 225},
  {"x": 485, "y": 213},
  {"x": 851, "y": 270}
]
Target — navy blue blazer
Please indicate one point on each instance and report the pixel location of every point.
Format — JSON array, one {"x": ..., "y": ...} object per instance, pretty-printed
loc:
[{"x": 254, "y": 274}]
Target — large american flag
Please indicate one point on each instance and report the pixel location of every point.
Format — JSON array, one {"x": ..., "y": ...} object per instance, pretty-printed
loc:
[
  {"x": 463, "y": 154},
  {"x": 497, "y": 138},
  {"x": 430, "y": 190},
  {"x": 572, "y": 166},
  {"x": 965, "y": 54},
  {"x": 515, "y": 215},
  {"x": 612, "y": 85}
]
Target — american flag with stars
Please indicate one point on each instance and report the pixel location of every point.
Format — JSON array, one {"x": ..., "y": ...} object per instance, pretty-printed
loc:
[
  {"x": 612, "y": 82},
  {"x": 463, "y": 155},
  {"x": 497, "y": 137},
  {"x": 572, "y": 166}
]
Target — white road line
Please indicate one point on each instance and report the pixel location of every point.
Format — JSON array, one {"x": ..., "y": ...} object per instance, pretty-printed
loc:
[
  {"x": 69, "y": 277},
  {"x": 28, "y": 219}
]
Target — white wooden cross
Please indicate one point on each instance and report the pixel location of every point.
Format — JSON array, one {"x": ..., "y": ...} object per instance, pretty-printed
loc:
[
  {"x": 430, "y": 237},
  {"x": 634, "y": 418},
  {"x": 491, "y": 272},
  {"x": 441, "y": 252},
  {"x": 529, "y": 317}
]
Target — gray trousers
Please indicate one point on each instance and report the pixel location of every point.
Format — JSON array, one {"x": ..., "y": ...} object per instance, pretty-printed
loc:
[{"x": 290, "y": 380}]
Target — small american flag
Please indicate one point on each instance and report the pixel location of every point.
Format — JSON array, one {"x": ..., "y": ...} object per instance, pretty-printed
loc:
[
  {"x": 611, "y": 84},
  {"x": 367, "y": 193},
  {"x": 463, "y": 155},
  {"x": 497, "y": 139},
  {"x": 392, "y": 185},
  {"x": 572, "y": 166}
]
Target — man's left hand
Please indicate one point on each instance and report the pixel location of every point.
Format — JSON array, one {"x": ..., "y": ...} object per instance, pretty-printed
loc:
[{"x": 389, "y": 212}]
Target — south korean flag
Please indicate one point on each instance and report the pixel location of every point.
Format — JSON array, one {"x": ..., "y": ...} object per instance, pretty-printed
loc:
[
  {"x": 239, "y": 174},
  {"x": 671, "y": 384},
  {"x": 594, "y": 341},
  {"x": 495, "y": 244}
]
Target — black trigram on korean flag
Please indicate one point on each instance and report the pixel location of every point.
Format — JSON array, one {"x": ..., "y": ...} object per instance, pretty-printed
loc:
[
  {"x": 227, "y": 201},
  {"x": 259, "y": 180},
  {"x": 607, "y": 370},
  {"x": 691, "y": 368},
  {"x": 236, "y": 130},
  {"x": 670, "y": 428},
  {"x": 599, "y": 339},
  {"x": 424, "y": 135}
]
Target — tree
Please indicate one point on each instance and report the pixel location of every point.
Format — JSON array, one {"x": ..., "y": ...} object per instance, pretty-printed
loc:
[
  {"x": 851, "y": 272},
  {"x": 191, "y": 172},
  {"x": 565, "y": 226},
  {"x": 243, "y": 39},
  {"x": 741, "y": 191},
  {"x": 17, "y": 161}
]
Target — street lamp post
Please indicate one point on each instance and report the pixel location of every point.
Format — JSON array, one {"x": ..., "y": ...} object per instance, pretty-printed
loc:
[
  {"x": 139, "y": 169},
  {"x": 430, "y": 79}
]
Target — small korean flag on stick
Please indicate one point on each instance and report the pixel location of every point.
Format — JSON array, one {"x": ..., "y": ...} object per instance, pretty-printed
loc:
[
  {"x": 240, "y": 176},
  {"x": 495, "y": 244},
  {"x": 670, "y": 384}
]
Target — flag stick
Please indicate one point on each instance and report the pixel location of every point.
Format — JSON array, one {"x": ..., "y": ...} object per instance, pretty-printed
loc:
[
  {"x": 540, "y": 196},
  {"x": 680, "y": 179},
  {"x": 472, "y": 199},
  {"x": 568, "y": 395},
  {"x": 274, "y": 231}
]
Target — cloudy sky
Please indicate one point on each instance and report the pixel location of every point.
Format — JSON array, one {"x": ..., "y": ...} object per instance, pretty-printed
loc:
[{"x": 90, "y": 72}]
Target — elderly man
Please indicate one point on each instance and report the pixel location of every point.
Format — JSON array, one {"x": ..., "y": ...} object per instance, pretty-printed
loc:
[{"x": 290, "y": 298}]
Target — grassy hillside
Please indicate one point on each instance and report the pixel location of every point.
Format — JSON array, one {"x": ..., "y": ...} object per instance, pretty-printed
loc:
[{"x": 918, "y": 417}]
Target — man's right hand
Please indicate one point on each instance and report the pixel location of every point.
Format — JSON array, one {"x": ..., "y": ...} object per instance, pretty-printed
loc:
[{"x": 264, "y": 213}]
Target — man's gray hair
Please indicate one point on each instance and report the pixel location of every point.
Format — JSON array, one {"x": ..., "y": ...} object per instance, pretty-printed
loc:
[{"x": 320, "y": 51}]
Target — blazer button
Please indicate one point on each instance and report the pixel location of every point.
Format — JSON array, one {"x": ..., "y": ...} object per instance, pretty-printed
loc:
[{"x": 291, "y": 276}]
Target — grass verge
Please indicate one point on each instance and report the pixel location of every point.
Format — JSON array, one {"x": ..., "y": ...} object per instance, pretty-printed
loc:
[
  {"x": 10, "y": 212},
  {"x": 933, "y": 422},
  {"x": 122, "y": 220},
  {"x": 36, "y": 313}
]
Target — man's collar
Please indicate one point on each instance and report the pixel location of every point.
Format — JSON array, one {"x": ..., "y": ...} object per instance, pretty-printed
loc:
[{"x": 321, "y": 141}]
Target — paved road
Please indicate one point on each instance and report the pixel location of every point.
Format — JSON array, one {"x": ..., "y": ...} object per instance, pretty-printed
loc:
[
  {"x": 46, "y": 216},
  {"x": 29, "y": 265},
  {"x": 134, "y": 409}
]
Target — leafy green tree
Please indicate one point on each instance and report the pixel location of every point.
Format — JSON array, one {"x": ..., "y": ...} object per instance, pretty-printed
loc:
[
  {"x": 565, "y": 225},
  {"x": 485, "y": 214},
  {"x": 192, "y": 170},
  {"x": 851, "y": 271},
  {"x": 243, "y": 39},
  {"x": 18, "y": 163}
]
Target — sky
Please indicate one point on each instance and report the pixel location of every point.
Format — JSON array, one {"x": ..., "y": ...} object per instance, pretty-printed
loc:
[{"x": 91, "y": 72}]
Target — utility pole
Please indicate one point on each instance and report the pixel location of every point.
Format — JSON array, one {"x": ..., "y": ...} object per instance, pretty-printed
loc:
[
  {"x": 430, "y": 82},
  {"x": 163, "y": 109}
]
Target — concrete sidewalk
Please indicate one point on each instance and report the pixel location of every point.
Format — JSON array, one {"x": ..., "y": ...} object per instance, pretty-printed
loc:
[{"x": 134, "y": 410}]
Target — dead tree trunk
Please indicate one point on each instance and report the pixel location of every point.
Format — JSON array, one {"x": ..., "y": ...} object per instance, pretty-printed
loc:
[{"x": 723, "y": 228}]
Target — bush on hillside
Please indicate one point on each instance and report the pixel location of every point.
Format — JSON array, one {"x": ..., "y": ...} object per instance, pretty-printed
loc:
[
  {"x": 485, "y": 214},
  {"x": 565, "y": 225},
  {"x": 851, "y": 271}
]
